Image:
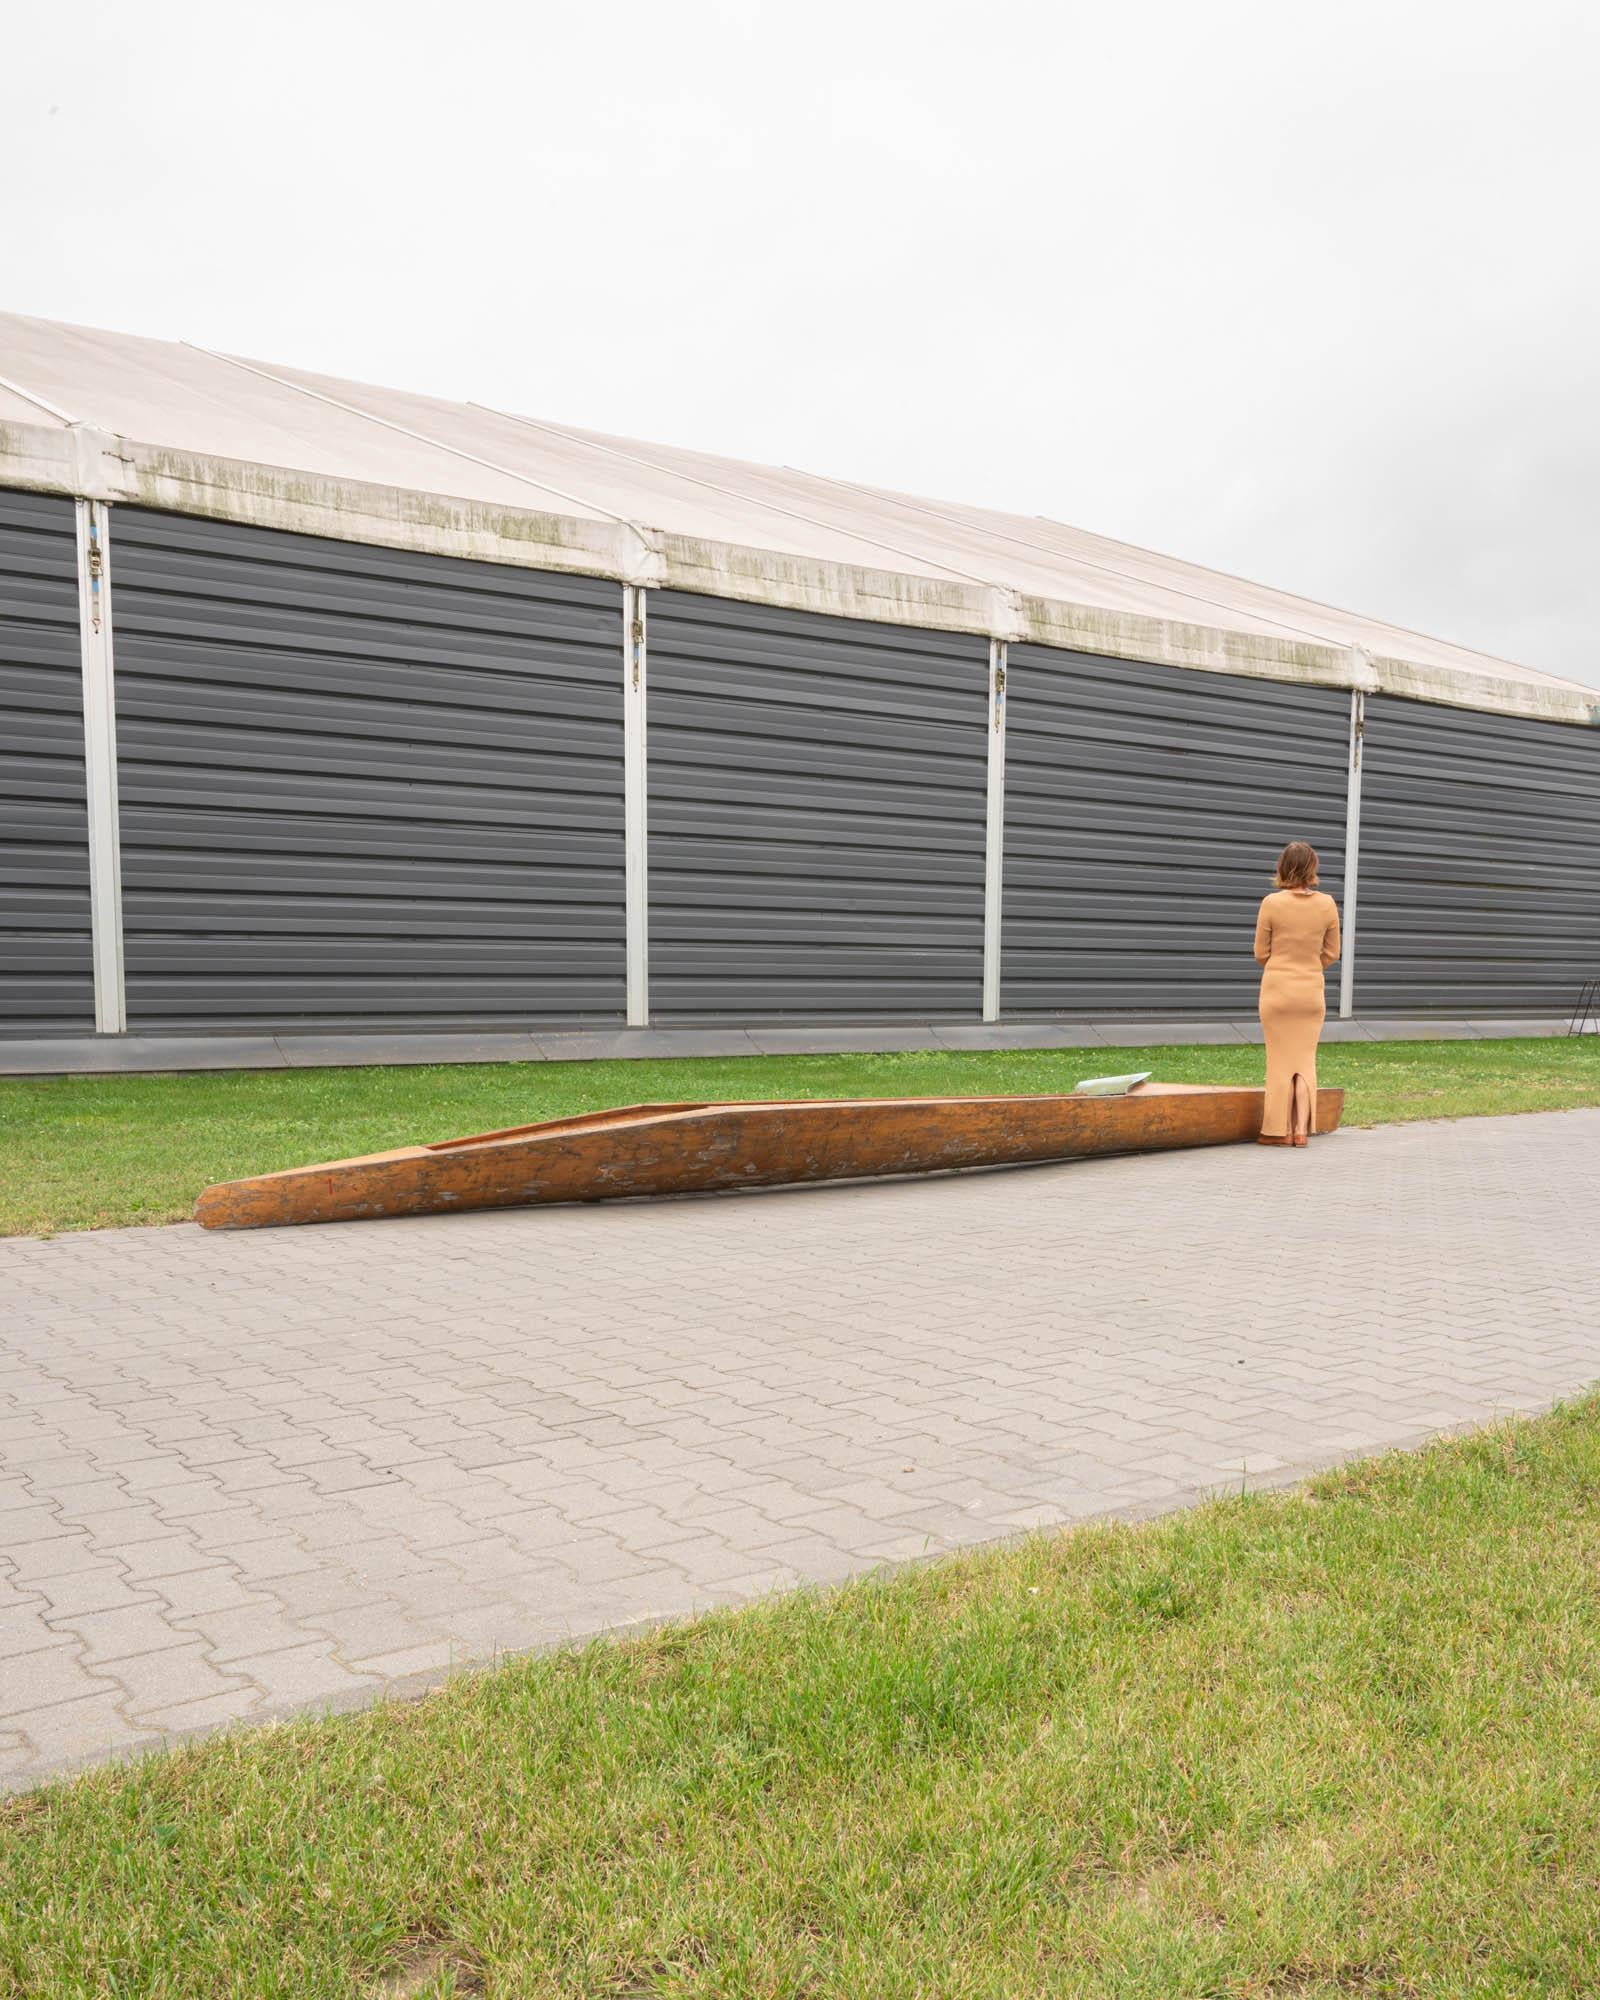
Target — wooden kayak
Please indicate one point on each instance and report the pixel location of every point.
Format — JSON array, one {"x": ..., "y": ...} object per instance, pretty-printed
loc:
[{"x": 661, "y": 1149}]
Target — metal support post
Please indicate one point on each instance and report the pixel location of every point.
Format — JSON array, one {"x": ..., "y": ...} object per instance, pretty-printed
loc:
[
  {"x": 100, "y": 762},
  {"x": 995, "y": 831},
  {"x": 1352, "y": 855},
  {"x": 635, "y": 796}
]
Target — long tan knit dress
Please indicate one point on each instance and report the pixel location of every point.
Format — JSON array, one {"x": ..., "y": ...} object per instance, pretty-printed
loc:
[{"x": 1297, "y": 938}]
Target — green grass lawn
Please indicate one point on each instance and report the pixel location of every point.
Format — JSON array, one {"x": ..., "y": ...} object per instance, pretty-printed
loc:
[
  {"x": 1341, "y": 1741},
  {"x": 89, "y": 1152}
]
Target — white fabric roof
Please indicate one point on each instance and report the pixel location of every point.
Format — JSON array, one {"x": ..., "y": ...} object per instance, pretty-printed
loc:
[{"x": 115, "y": 417}]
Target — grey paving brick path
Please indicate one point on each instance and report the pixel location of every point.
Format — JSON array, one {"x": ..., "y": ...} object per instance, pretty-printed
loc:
[{"x": 242, "y": 1474}]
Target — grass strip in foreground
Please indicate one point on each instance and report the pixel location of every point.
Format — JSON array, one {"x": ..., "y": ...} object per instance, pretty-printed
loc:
[
  {"x": 101, "y": 1152},
  {"x": 1342, "y": 1741}
]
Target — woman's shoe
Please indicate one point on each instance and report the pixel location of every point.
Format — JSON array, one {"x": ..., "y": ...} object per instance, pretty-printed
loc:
[{"x": 1270, "y": 1140}]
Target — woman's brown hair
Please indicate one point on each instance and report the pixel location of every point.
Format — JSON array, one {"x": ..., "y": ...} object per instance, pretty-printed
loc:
[{"x": 1297, "y": 866}]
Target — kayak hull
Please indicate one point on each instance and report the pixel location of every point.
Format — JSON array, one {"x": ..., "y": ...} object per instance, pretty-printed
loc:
[{"x": 662, "y": 1149}]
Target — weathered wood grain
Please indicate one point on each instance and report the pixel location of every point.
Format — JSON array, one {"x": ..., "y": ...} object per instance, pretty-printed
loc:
[{"x": 660, "y": 1149}]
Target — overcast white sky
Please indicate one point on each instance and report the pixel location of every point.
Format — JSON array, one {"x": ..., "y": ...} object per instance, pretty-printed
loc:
[{"x": 1308, "y": 293}]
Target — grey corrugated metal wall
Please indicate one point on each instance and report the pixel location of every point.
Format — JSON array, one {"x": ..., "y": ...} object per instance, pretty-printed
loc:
[
  {"x": 362, "y": 786},
  {"x": 1480, "y": 862},
  {"x": 47, "y": 979},
  {"x": 817, "y": 794},
  {"x": 1145, "y": 807}
]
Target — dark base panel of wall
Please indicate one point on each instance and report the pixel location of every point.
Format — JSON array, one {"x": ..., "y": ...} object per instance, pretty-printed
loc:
[
  {"x": 1145, "y": 808},
  {"x": 360, "y": 785},
  {"x": 1480, "y": 862},
  {"x": 817, "y": 802},
  {"x": 46, "y": 956}
]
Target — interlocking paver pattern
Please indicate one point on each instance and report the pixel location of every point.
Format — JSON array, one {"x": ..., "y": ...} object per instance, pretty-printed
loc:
[{"x": 241, "y": 1474}]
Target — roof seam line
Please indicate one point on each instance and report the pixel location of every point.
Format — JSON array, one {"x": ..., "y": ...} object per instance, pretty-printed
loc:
[
  {"x": 39, "y": 402},
  {"x": 733, "y": 493},
  {"x": 420, "y": 437},
  {"x": 1105, "y": 569}
]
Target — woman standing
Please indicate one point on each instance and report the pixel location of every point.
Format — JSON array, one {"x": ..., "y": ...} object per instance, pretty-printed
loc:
[{"x": 1297, "y": 939}]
